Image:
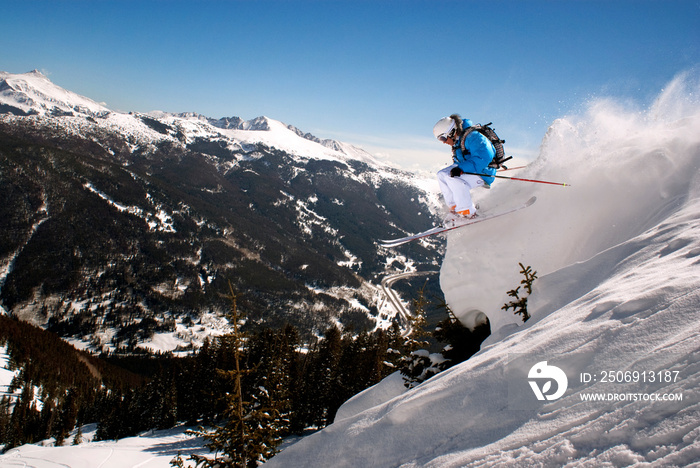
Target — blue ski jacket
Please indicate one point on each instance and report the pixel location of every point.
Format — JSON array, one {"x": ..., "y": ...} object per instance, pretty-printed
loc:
[{"x": 479, "y": 153}]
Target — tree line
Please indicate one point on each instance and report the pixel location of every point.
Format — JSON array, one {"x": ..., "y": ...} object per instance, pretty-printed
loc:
[{"x": 269, "y": 378}]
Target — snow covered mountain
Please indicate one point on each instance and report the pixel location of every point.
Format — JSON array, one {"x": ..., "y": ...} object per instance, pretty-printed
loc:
[
  {"x": 124, "y": 229},
  {"x": 616, "y": 309},
  {"x": 34, "y": 94}
]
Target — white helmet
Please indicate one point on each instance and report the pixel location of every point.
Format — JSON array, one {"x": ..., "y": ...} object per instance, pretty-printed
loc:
[{"x": 443, "y": 128}]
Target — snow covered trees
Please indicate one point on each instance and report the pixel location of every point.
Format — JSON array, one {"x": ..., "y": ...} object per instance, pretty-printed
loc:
[
  {"x": 52, "y": 389},
  {"x": 462, "y": 343},
  {"x": 418, "y": 363}
]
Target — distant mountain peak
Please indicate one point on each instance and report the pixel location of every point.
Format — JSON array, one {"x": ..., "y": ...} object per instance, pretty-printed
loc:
[
  {"x": 261, "y": 123},
  {"x": 36, "y": 72},
  {"x": 33, "y": 93}
]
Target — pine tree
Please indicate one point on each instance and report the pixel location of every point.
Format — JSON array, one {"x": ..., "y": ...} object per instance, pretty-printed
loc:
[
  {"x": 324, "y": 377},
  {"x": 197, "y": 386},
  {"x": 462, "y": 343},
  {"x": 47, "y": 422},
  {"x": 304, "y": 390},
  {"x": 78, "y": 438},
  {"x": 416, "y": 361},
  {"x": 395, "y": 346},
  {"x": 417, "y": 323},
  {"x": 269, "y": 402},
  {"x": 377, "y": 362},
  {"x": 273, "y": 353},
  {"x": 22, "y": 421},
  {"x": 4, "y": 419},
  {"x": 68, "y": 417},
  {"x": 519, "y": 305},
  {"x": 251, "y": 432}
]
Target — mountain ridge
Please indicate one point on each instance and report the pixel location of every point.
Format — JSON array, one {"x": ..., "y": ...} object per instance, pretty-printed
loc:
[
  {"x": 125, "y": 227},
  {"x": 33, "y": 93}
]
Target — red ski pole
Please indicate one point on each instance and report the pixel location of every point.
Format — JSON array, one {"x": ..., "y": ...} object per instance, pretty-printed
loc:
[{"x": 519, "y": 179}]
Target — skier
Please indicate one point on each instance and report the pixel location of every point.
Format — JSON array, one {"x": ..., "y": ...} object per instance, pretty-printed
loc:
[{"x": 471, "y": 156}]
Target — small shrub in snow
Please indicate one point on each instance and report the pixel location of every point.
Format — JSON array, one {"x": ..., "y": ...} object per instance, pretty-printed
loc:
[{"x": 519, "y": 304}]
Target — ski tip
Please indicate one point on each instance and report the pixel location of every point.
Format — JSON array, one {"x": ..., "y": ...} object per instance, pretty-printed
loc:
[
  {"x": 390, "y": 242},
  {"x": 390, "y": 245}
]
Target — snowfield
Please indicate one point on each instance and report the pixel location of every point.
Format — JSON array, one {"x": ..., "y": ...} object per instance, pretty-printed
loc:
[
  {"x": 153, "y": 449},
  {"x": 615, "y": 310}
]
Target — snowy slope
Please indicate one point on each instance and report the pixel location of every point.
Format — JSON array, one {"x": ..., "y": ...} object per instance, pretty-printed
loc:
[
  {"x": 618, "y": 255},
  {"x": 6, "y": 375},
  {"x": 153, "y": 449},
  {"x": 34, "y": 93}
]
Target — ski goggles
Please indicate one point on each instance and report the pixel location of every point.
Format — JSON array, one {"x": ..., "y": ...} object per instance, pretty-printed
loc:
[{"x": 448, "y": 134}]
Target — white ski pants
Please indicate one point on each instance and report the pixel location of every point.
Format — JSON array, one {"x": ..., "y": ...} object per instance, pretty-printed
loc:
[{"x": 455, "y": 190}]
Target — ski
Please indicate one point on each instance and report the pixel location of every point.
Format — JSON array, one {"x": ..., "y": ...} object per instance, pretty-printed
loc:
[{"x": 440, "y": 229}]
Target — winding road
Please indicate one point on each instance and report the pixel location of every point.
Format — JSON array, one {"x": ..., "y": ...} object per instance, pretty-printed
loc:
[{"x": 395, "y": 300}]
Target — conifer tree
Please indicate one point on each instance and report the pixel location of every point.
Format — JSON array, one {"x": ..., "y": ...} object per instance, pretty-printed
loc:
[
  {"x": 250, "y": 433},
  {"x": 197, "y": 387},
  {"x": 78, "y": 438},
  {"x": 48, "y": 420},
  {"x": 519, "y": 304},
  {"x": 416, "y": 361},
  {"x": 269, "y": 398},
  {"x": 68, "y": 416},
  {"x": 22, "y": 421},
  {"x": 417, "y": 323},
  {"x": 304, "y": 390},
  {"x": 324, "y": 377},
  {"x": 376, "y": 367},
  {"x": 4, "y": 418},
  {"x": 462, "y": 343},
  {"x": 395, "y": 346}
]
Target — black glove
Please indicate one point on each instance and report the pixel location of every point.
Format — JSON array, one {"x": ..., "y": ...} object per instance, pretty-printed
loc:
[{"x": 456, "y": 172}]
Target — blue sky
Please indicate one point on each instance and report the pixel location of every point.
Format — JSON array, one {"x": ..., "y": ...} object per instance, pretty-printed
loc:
[{"x": 374, "y": 73}]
